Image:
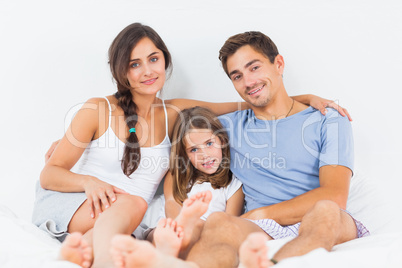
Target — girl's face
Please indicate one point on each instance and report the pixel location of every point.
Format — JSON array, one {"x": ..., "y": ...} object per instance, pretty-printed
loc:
[
  {"x": 204, "y": 150},
  {"x": 146, "y": 72}
]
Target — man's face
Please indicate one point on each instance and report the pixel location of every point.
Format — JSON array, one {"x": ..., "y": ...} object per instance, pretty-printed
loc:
[{"x": 255, "y": 78}]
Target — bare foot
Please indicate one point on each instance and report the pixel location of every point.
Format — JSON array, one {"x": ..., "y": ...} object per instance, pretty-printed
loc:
[
  {"x": 168, "y": 237},
  {"x": 193, "y": 208},
  {"x": 76, "y": 250},
  {"x": 128, "y": 252},
  {"x": 254, "y": 252}
]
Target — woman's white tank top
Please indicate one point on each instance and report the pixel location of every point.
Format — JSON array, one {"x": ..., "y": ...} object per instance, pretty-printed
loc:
[{"x": 102, "y": 159}]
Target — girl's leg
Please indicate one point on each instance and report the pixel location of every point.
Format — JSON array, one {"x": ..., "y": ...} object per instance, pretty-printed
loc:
[
  {"x": 122, "y": 217},
  {"x": 188, "y": 220},
  {"x": 168, "y": 237},
  {"x": 189, "y": 217},
  {"x": 196, "y": 234}
]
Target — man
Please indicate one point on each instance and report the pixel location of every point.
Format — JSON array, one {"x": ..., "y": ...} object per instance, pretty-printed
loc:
[{"x": 295, "y": 165}]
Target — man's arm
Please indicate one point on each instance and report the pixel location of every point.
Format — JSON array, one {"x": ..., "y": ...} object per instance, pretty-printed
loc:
[{"x": 334, "y": 186}]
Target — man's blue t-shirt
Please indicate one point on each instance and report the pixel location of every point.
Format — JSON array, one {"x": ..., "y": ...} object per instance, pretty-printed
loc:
[{"x": 277, "y": 160}]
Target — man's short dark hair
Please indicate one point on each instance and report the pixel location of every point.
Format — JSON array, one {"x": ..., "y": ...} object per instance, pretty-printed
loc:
[{"x": 257, "y": 40}]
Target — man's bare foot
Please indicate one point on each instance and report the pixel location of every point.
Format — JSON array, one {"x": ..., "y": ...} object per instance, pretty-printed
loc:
[
  {"x": 253, "y": 252},
  {"x": 193, "y": 208},
  {"x": 168, "y": 236},
  {"x": 76, "y": 250},
  {"x": 128, "y": 252}
]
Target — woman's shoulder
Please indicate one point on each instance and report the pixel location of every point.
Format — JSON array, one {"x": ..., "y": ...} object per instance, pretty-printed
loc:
[
  {"x": 94, "y": 108},
  {"x": 101, "y": 103},
  {"x": 95, "y": 101}
]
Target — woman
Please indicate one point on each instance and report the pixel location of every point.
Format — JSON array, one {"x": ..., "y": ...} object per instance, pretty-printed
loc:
[{"x": 124, "y": 141}]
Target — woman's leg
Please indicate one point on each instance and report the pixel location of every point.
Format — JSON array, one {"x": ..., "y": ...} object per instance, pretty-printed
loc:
[{"x": 122, "y": 217}]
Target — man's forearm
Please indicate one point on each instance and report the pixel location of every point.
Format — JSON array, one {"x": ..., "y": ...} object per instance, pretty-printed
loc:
[{"x": 292, "y": 211}]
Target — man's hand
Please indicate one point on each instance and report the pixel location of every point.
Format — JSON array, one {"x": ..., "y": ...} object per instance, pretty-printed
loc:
[{"x": 51, "y": 150}]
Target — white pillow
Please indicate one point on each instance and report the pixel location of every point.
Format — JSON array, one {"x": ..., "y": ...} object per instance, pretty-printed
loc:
[{"x": 371, "y": 203}]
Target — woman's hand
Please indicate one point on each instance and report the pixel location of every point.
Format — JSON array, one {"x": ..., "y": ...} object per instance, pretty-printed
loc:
[
  {"x": 321, "y": 103},
  {"x": 100, "y": 195}
]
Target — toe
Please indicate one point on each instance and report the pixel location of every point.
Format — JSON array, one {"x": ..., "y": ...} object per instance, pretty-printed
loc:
[
  {"x": 162, "y": 223},
  {"x": 74, "y": 239},
  {"x": 208, "y": 196},
  {"x": 168, "y": 223}
]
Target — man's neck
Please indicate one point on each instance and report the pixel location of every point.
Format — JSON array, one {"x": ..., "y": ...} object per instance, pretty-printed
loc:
[{"x": 279, "y": 106}]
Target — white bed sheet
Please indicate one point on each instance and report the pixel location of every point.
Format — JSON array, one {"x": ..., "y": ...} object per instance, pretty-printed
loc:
[{"x": 23, "y": 245}]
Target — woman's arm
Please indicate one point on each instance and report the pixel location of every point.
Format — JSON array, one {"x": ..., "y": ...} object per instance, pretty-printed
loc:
[
  {"x": 234, "y": 206},
  {"x": 172, "y": 208},
  {"x": 218, "y": 108},
  {"x": 320, "y": 104},
  {"x": 56, "y": 174},
  {"x": 228, "y": 107}
]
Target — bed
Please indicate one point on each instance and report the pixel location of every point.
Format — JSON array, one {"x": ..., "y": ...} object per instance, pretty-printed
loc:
[
  {"x": 24, "y": 245},
  {"x": 54, "y": 58}
]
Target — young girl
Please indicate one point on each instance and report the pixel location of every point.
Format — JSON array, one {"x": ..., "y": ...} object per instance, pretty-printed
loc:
[
  {"x": 199, "y": 182},
  {"x": 200, "y": 161}
]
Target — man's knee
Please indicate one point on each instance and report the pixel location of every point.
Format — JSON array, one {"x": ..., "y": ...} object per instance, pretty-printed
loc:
[
  {"x": 324, "y": 219},
  {"x": 216, "y": 218},
  {"x": 326, "y": 208},
  {"x": 221, "y": 222},
  {"x": 222, "y": 229}
]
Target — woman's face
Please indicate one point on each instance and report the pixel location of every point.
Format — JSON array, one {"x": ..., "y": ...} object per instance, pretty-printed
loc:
[{"x": 146, "y": 73}]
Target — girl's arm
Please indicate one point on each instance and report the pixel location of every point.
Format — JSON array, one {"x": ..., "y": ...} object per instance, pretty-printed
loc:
[
  {"x": 172, "y": 208},
  {"x": 234, "y": 206},
  {"x": 56, "y": 174}
]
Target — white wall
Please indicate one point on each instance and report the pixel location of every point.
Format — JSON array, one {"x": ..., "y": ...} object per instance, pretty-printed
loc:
[{"x": 53, "y": 56}]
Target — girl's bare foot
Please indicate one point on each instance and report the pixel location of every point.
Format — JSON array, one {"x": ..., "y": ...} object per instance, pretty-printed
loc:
[
  {"x": 128, "y": 252},
  {"x": 168, "y": 236},
  {"x": 76, "y": 250},
  {"x": 253, "y": 252},
  {"x": 193, "y": 208}
]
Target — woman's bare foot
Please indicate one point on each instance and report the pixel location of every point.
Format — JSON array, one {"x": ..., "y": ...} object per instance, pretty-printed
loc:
[
  {"x": 253, "y": 252},
  {"x": 193, "y": 208},
  {"x": 76, "y": 250},
  {"x": 168, "y": 236},
  {"x": 128, "y": 252}
]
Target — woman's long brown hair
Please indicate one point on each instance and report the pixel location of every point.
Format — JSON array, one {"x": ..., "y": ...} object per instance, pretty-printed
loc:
[
  {"x": 185, "y": 175},
  {"x": 119, "y": 58}
]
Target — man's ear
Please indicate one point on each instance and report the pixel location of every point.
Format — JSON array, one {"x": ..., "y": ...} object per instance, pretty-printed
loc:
[{"x": 280, "y": 64}]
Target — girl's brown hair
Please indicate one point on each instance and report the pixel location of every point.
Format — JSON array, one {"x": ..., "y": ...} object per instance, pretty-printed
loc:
[
  {"x": 119, "y": 59},
  {"x": 185, "y": 175}
]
